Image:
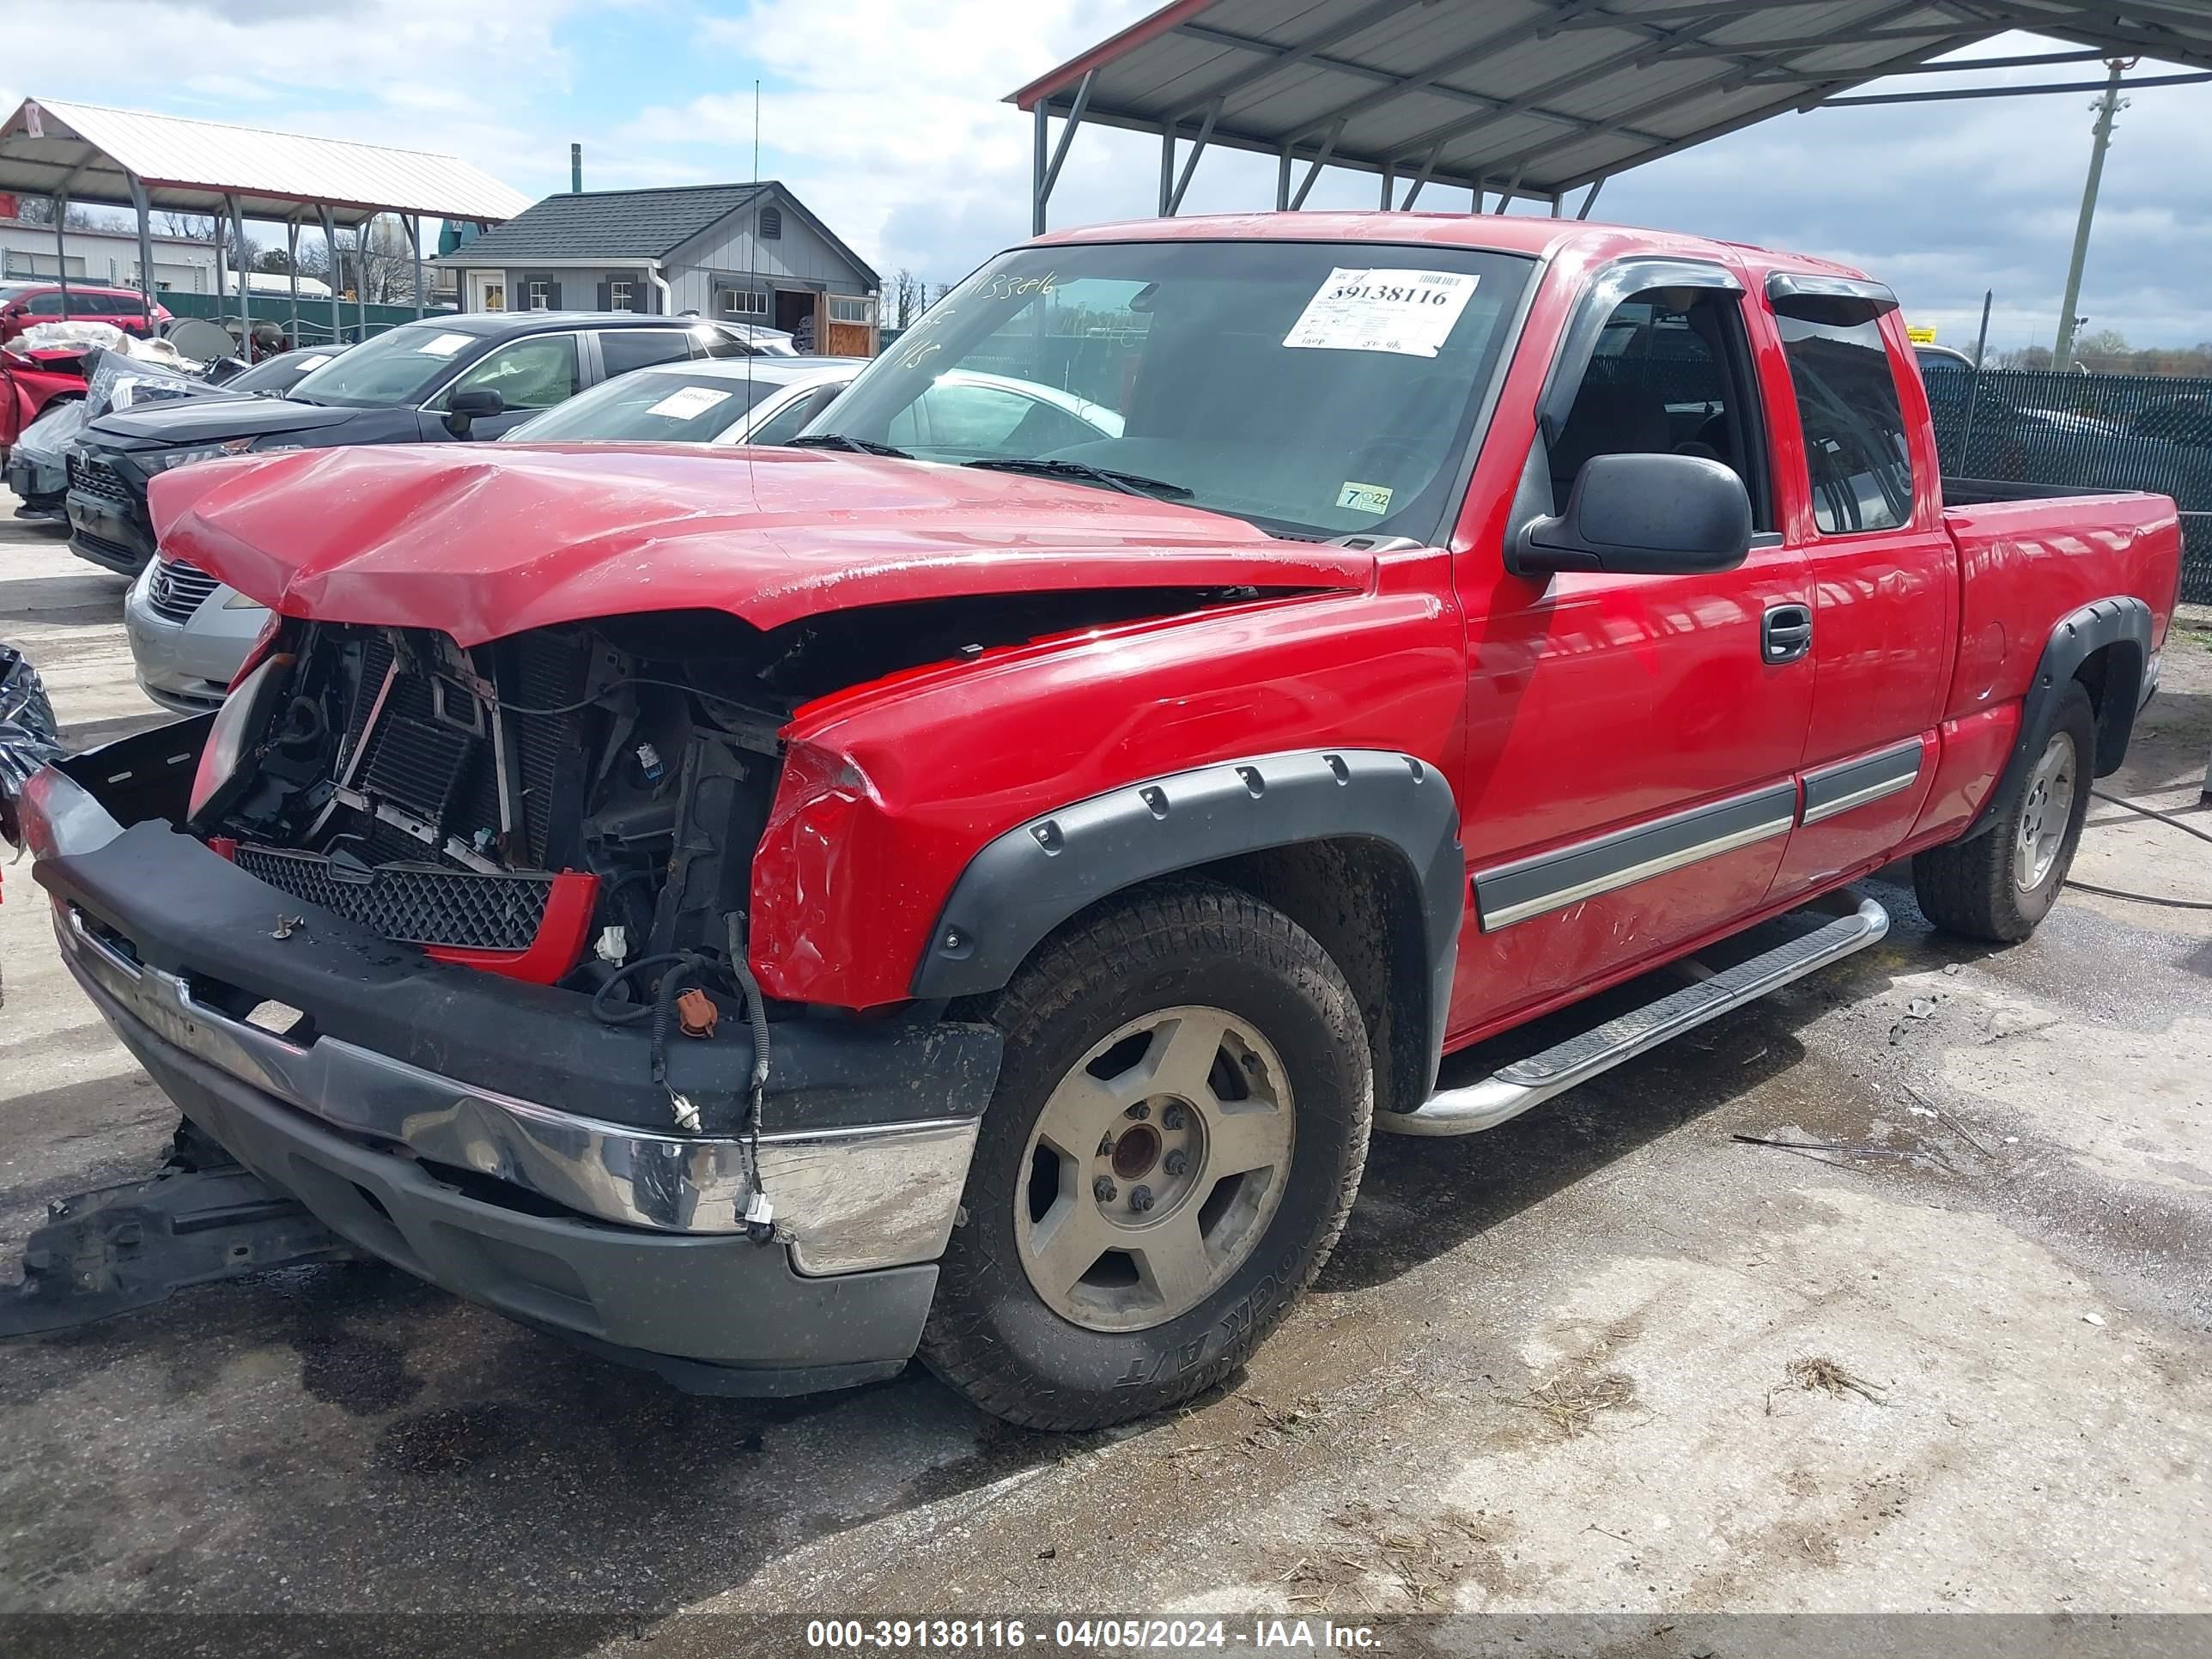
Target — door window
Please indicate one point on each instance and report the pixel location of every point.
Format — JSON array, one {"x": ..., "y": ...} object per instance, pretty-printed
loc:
[
  {"x": 788, "y": 421},
  {"x": 622, "y": 350},
  {"x": 535, "y": 374},
  {"x": 1858, "y": 461},
  {"x": 50, "y": 305},
  {"x": 1671, "y": 373},
  {"x": 982, "y": 420}
]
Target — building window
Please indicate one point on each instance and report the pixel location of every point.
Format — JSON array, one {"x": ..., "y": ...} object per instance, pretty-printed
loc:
[
  {"x": 743, "y": 303},
  {"x": 862, "y": 310},
  {"x": 771, "y": 224},
  {"x": 537, "y": 296},
  {"x": 618, "y": 295}
]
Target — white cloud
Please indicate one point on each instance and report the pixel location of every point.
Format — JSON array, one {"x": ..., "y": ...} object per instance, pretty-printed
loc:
[{"x": 888, "y": 119}]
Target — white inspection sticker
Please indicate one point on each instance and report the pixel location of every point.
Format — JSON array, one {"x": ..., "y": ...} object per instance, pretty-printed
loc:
[
  {"x": 682, "y": 405},
  {"x": 1409, "y": 312},
  {"x": 441, "y": 345},
  {"x": 1364, "y": 497}
]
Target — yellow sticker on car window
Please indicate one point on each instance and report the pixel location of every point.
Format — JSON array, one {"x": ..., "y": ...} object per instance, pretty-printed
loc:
[{"x": 1364, "y": 497}]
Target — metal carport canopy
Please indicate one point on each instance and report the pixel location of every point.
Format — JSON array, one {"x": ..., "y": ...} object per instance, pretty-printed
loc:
[
  {"x": 1529, "y": 97},
  {"x": 72, "y": 152},
  {"x": 90, "y": 153}
]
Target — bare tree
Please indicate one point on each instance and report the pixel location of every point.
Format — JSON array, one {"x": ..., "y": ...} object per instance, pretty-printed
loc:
[{"x": 906, "y": 292}]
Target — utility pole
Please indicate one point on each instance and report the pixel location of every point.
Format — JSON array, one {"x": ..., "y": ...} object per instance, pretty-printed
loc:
[{"x": 2108, "y": 104}]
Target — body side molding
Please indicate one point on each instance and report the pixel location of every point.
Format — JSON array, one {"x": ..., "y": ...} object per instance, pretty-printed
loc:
[
  {"x": 1508, "y": 893},
  {"x": 1035, "y": 876},
  {"x": 1846, "y": 784}
]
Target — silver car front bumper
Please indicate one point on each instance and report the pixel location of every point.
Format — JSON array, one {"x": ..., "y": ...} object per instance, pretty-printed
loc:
[{"x": 845, "y": 1200}]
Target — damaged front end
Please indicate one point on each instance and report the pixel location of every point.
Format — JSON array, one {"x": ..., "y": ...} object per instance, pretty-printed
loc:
[{"x": 402, "y": 928}]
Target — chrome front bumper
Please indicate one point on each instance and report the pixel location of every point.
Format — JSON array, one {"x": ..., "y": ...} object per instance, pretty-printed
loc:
[{"x": 845, "y": 1200}]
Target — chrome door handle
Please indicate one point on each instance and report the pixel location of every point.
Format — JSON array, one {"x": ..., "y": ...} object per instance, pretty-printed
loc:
[{"x": 1785, "y": 633}]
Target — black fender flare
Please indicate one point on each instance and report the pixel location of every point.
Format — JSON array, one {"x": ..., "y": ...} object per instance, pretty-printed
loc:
[
  {"x": 2122, "y": 620},
  {"x": 1030, "y": 880}
]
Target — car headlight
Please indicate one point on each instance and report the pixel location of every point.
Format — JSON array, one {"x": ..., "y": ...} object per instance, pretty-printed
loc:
[
  {"x": 161, "y": 460},
  {"x": 239, "y": 724}
]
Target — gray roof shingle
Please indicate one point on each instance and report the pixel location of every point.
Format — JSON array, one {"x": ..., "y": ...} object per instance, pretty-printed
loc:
[{"x": 609, "y": 224}]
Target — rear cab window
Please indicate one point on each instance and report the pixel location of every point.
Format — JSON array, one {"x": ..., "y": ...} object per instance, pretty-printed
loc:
[{"x": 1858, "y": 454}]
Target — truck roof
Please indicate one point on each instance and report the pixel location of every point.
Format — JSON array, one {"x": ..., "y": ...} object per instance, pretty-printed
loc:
[{"x": 1498, "y": 232}]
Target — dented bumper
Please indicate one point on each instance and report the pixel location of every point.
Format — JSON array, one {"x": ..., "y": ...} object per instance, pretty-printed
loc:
[{"x": 625, "y": 1233}]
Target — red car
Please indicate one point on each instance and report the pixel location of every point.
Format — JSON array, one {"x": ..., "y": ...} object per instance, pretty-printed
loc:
[
  {"x": 972, "y": 888},
  {"x": 24, "y": 305}
]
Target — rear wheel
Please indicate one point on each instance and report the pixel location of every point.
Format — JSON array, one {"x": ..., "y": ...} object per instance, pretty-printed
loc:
[
  {"x": 1174, "y": 1144},
  {"x": 2000, "y": 884}
]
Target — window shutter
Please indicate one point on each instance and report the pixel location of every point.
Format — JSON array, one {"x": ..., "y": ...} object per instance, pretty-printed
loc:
[
  {"x": 553, "y": 296},
  {"x": 605, "y": 303},
  {"x": 640, "y": 294}
]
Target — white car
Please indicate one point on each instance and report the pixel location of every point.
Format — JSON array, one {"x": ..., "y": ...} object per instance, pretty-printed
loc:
[
  {"x": 190, "y": 632},
  {"x": 770, "y": 400}
]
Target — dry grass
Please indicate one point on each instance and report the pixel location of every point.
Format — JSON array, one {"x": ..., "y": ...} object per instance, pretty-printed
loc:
[
  {"x": 1571, "y": 1404},
  {"x": 1811, "y": 1371}
]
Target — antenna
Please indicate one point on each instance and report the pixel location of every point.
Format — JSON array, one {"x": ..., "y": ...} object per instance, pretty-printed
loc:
[{"x": 756, "y": 131}]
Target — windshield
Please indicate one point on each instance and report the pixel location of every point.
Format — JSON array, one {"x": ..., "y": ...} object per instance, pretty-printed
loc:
[
  {"x": 277, "y": 372},
  {"x": 654, "y": 406},
  {"x": 1319, "y": 389},
  {"x": 394, "y": 368}
]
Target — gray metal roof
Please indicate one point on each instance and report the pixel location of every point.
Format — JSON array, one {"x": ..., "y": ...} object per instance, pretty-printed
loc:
[
  {"x": 1541, "y": 96},
  {"x": 610, "y": 227},
  {"x": 602, "y": 225},
  {"x": 93, "y": 151}
]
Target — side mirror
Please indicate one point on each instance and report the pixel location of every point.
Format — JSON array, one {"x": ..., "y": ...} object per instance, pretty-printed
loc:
[
  {"x": 1647, "y": 515},
  {"x": 476, "y": 403}
]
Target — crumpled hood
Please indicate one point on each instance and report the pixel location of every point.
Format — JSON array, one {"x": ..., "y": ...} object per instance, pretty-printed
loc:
[
  {"x": 214, "y": 415},
  {"x": 483, "y": 541}
]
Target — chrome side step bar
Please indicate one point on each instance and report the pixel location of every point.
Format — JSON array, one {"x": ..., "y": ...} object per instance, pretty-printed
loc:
[{"x": 1512, "y": 1090}]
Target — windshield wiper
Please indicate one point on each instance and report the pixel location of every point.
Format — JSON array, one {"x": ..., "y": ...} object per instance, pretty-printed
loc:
[
  {"x": 1129, "y": 483},
  {"x": 839, "y": 440}
]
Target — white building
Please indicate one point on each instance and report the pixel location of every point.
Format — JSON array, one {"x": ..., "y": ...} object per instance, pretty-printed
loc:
[{"x": 103, "y": 258}]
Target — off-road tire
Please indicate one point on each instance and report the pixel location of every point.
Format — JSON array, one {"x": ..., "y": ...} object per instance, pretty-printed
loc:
[
  {"x": 1969, "y": 887},
  {"x": 990, "y": 1334}
]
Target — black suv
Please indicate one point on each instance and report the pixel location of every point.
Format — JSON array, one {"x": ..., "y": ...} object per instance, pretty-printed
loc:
[{"x": 470, "y": 375}]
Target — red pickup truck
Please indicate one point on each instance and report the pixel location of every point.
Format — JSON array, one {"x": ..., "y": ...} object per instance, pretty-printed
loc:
[{"x": 972, "y": 887}]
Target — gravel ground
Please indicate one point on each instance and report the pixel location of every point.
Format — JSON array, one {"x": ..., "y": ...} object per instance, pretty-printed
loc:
[{"x": 1605, "y": 1359}]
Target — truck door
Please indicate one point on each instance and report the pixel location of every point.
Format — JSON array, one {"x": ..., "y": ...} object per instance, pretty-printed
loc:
[
  {"x": 1862, "y": 503},
  {"x": 1632, "y": 746}
]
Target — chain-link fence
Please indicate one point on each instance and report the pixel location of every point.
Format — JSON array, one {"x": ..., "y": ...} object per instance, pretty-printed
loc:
[{"x": 2087, "y": 432}]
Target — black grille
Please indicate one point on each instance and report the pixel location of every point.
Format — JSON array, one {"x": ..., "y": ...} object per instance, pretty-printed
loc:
[
  {"x": 94, "y": 478},
  {"x": 413, "y": 904},
  {"x": 177, "y": 590},
  {"x": 115, "y": 551}
]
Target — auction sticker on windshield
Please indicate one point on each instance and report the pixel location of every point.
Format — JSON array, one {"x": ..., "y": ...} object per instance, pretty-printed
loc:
[
  {"x": 690, "y": 401},
  {"x": 441, "y": 345},
  {"x": 1409, "y": 312}
]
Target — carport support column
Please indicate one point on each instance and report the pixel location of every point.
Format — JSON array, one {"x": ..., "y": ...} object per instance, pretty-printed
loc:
[
  {"x": 331, "y": 258},
  {"x": 245, "y": 279},
  {"x": 144, "y": 205},
  {"x": 361, "y": 272},
  {"x": 61, "y": 246},
  {"x": 414, "y": 223},
  {"x": 292, "y": 265}
]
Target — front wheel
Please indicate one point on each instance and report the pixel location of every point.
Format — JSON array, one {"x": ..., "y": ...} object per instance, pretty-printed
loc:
[
  {"x": 2000, "y": 884},
  {"x": 1173, "y": 1146}
]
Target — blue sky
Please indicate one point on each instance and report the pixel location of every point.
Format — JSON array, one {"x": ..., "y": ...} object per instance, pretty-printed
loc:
[{"x": 886, "y": 118}]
